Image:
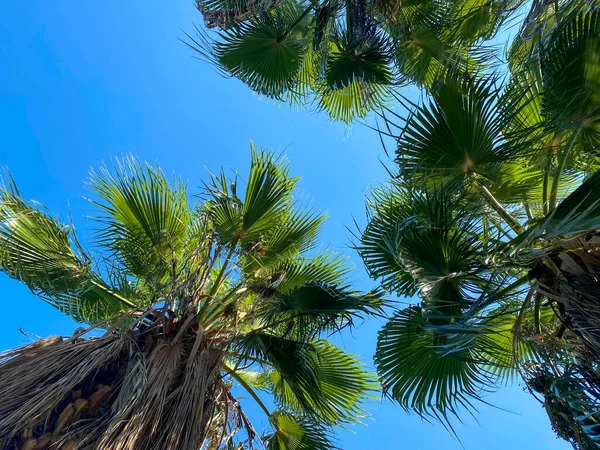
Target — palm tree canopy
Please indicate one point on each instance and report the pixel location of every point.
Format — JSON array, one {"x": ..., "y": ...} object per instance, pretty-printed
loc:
[
  {"x": 345, "y": 57},
  {"x": 239, "y": 271},
  {"x": 491, "y": 219}
]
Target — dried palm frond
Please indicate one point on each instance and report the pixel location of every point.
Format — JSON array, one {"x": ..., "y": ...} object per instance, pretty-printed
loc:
[
  {"x": 145, "y": 388},
  {"x": 570, "y": 276}
]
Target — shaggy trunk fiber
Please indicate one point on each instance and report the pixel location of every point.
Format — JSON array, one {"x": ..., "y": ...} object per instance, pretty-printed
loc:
[
  {"x": 225, "y": 19},
  {"x": 571, "y": 277},
  {"x": 153, "y": 387}
]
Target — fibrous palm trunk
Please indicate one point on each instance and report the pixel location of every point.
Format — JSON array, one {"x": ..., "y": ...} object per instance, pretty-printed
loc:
[
  {"x": 151, "y": 387},
  {"x": 571, "y": 277}
]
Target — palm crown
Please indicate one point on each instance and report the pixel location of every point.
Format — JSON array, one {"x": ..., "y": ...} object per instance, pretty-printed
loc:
[
  {"x": 194, "y": 298},
  {"x": 345, "y": 56},
  {"x": 492, "y": 221}
]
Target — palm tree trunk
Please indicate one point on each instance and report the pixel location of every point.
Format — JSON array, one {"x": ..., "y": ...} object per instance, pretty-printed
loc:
[
  {"x": 576, "y": 286},
  {"x": 148, "y": 389}
]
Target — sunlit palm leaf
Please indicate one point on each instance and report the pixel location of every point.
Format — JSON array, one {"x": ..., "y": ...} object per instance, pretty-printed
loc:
[
  {"x": 293, "y": 235},
  {"x": 326, "y": 267},
  {"x": 145, "y": 219},
  {"x": 316, "y": 379},
  {"x": 355, "y": 100},
  {"x": 265, "y": 206},
  {"x": 39, "y": 251},
  {"x": 343, "y": 387},
  {"x": 357, "y": 58},
  {"x": 570, "y": 62},
  {"x": 265, "y": 53},
  {"x": 426, "y": 235},
  {"x": 459, "y": 132},
  {"x": 292, "y": 433}
]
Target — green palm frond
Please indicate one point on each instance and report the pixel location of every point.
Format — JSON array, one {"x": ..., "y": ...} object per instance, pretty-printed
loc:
[
  {"x": 478, "y": 19},
  {"x": 358, "y": 58},
  {"x": 426, "y": 235},
  {"x": 316, "y": 379},
  {"x": 354, "y": 100},
  {"x": 459, "y": 132},
  {"x": 268, "y": 193},
  {"x": 516, "y": 181},
  {"x": 377, "y": 246},
  {"x": 144, "y": 220},
  {"x": 266, "y": 53},
  {"x": 342, "y": 382},
  {"x": 577, "y": 213},
  {"x": 294, "y": 234},
  {"x": 570, "y": 63},
  {"x": 420, "y": 377},
  {"x": 420, "y": 55},
  {"x": 316, "y": 308},
  {"x": 327, "y": 267},
  {"x": 292, "y": 433},
  {"x": 267, "y": 202},
  {"x": 36, "y": 249}
]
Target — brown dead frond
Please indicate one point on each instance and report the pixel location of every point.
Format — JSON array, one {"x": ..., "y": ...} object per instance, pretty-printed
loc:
[{"x": 153, "y": 387}]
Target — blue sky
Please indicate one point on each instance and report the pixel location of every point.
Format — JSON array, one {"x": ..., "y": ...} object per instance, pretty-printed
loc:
[{"x": 82, "y": 82}]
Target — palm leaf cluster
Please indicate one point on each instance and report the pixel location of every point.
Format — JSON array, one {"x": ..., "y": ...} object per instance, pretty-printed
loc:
[
  {"x": 491, "y": 220},
  {"x": 345, "y": 57},
  {"x": 187, "y": 300}
]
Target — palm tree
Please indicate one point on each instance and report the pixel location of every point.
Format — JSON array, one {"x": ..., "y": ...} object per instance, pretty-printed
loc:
[
  {"x": 190, "y": 300},
  {"x": 345, "y": 57},
  {"x": 492, "y": 220}
]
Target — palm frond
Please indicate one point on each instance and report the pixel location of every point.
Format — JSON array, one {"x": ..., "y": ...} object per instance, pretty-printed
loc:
[
  {"x": 344, "y": 385},
  {"x": 420, "y": 377},
  {"x": 293, "y": 433},
  {"x": 358, "y": 58},
  {"x": 419, "y": 236},
  {"x": 459, "y": 132},
  {"x": 36, "y": 249},
  {"x": 316, "y": 379},
  {"x": 266, "y": 53},
  {"x": 144, "y": 219},
  {"x": 293, "y": 235},
  {"x": 315, "y": 308},
  {"x": 570, "y": 63},
  {"x": 327, "y": 267},
  {"x": 354, "y": 100}
]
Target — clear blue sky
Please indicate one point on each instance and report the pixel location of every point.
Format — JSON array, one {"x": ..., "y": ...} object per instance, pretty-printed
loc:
[{"x": 81, "y": 82}]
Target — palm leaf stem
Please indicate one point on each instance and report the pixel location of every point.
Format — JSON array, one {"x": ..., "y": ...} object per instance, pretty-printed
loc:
[
  {"x": 546, "y": 182},
  {"x": 218, "y": 281},
  {"x": 528, "y": 210},
  {"x": 496, "y": 206},
  {"x": 248, "y": 389},
  {"x": 537, "y": 312},
  {"x": 559, "y": 169},
  {"x": 249, "y": 358},
  {"x": 113, "y": 293},
  {"x": 297, "y": 21},
  {"x": 212, "y": 317}
]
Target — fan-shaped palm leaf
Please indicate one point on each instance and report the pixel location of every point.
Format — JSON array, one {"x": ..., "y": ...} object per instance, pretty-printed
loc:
[
  {"x": 420, "y": 377},
  {"x": 145, "y": 221},
  {"x": 292, "y": 433},
  {"x": 265, "y": 53},
  {"x": 570, "y": 62},
  {"x": 38, "y": 250},
  {"x": 315, "y": 379}
]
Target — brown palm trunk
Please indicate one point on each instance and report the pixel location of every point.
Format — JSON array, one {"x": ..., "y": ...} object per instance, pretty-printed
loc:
[
  {"x": 571, "y": 277},
  {"x": 143, "y": 389}
]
